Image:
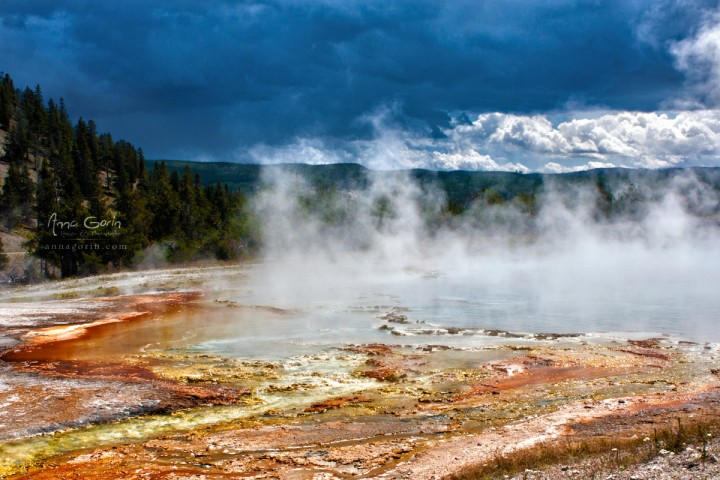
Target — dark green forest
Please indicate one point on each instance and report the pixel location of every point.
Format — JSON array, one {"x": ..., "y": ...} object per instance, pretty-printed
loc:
[{"x": 86, "y": 202}]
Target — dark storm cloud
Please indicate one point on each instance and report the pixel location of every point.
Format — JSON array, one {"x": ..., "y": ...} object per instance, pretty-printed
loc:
[{"x": 183, "y": 78}]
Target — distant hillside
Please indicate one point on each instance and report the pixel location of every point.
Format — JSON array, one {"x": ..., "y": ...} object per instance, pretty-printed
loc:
[
  {"x": 460, "y": 187},
  {"x": 247, "y": 178}
]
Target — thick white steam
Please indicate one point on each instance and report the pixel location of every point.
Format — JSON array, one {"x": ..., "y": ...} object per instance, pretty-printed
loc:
[{"x": 563, "y": 263}]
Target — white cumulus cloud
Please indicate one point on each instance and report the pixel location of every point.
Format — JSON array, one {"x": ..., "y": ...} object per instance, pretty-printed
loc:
[
  {"x": 509, "y": 142},
  {"x": 628, "y": 139}
]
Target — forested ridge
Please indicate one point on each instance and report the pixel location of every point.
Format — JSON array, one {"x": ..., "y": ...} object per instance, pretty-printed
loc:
[{"x": 86, "y": 202}]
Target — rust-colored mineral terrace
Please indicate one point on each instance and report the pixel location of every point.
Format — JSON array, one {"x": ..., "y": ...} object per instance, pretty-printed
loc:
[{"x": 76, "y": 404}]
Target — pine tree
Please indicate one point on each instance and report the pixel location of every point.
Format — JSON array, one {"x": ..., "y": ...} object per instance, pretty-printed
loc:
[
  {"x": 164, "y": 202},
  {"x": 34, "y": 117},
  {"x": 48, "y": 202},
  {"x": 125, "y": 164},
  {"x": 60, "y": 134},
  {"x": 136, "y": 221},
  {"x": 17, "y": 195},
  {"x": 71, "y": 259},
  {"x": 190, "y": 214},
  {"x": 175, "y": 180},
  {"x": 8, "y": 101},
  {"x": 10, "y": 199},
  {"x": 25, "y": 191},
  {"x": 16, "y": 144},
  {"x": 83, "y": 162}
]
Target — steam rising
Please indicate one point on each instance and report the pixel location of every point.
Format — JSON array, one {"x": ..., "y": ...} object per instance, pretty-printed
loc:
[{"x": 622, "y": 256}]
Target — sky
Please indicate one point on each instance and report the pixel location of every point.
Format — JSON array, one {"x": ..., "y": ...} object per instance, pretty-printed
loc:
[{"x": 524, "y": 86}]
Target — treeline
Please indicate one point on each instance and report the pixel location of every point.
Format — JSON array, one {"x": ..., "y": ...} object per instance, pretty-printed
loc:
[{"x": 88, "y": 202}]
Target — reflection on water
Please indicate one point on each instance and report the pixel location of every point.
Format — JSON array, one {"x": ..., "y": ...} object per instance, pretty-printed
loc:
[{"x": 268, "y": 315}]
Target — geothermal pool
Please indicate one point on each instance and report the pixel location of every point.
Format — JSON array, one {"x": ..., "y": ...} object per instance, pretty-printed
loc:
[
  {"x": 303, "y": 305},
  {"x": 472, "y": 302},
  {"x": 291, "y": 335},
  {"x": 264, "y": 312}
]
